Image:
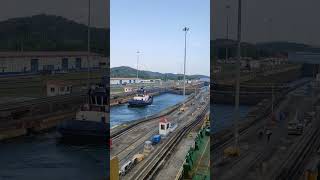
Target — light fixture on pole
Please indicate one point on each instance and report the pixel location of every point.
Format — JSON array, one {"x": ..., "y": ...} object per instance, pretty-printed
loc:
[
  {"x": 227, "y": 29},
  {"x": 88, "y": 41},
  {"x": 185, "y": 29},
  {"x": 138, "y": 54},
  {"x": 236, "y": 110}
]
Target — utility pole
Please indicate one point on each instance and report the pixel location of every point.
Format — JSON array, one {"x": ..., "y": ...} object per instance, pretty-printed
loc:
[
  {"x": 138, "y": 65},
  {"x": 88, "y": 48},
  {"x": 236, "y": 110},
  {"x": 185, "y": 29},
  {"x": 227, "y": 33},
  {"x": 272, "y": 69}
]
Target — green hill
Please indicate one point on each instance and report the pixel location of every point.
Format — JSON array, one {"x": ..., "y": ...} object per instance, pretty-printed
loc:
[
  {"x": 124, "y": 71},
  {"x": 266, "y": 49},
  {"x": 50, "y": 33}
]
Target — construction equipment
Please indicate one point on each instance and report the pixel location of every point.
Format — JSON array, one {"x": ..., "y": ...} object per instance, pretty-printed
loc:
[
  {"x": 147, "y": 148},
  {"x": 137, "y": 158},
  {"x": 156, "y": 139}
]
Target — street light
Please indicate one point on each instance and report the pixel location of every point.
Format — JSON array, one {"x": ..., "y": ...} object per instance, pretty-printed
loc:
[
  {"x": 272, "y": 64},
  {"x": 88, "y": 48},
  {"x": 138, "y": 53},
  {"x": 236, "y": 110},
  {"x": 227, "y": 29},
  {"x": 185, "y": 29}
]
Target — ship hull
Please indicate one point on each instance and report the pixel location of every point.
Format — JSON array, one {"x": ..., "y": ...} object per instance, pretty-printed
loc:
[
  {"x": 84, "y": 131},
  {"x": 140, "y": 103}
]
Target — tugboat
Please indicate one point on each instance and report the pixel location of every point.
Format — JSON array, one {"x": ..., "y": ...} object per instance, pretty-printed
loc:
[
  {"x": 141, "y": 99},
  {"x": 91, "y": 121}
]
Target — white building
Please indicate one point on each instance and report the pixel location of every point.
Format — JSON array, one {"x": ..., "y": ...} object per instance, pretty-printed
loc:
[
  {"x": 58, "y": 87},
  {"x": 120, "y": 81},
  {"x": 35, "y": 61},
  {"x": 164, "y": 126}
]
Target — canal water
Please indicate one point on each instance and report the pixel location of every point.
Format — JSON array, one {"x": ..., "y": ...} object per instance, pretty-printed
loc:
[
  {"x": 222, "y": 116},
  {"x": 43, "y": 157},
  {"x": 122, "y": 113}
]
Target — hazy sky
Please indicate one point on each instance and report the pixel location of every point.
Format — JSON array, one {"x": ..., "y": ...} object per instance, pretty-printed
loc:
[
  {"x": 281, "y": 20},
  {"x": 72, "y": 9},
  {"x": 155, "y": 28}
]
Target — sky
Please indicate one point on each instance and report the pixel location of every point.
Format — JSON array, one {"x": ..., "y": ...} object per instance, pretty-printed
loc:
[
  {"x": 269, "y": 20},
  {"x": 76, "y": 10},
  {"x": 154, "y": 27}
]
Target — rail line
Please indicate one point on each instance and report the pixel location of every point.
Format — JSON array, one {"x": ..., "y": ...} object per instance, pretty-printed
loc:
[
  {"x": 266, "y": 112},
  {"x": 292, "y": 167},
  {"x": 218, "y": 146},
  {"x": 172, "y": 111},
  {"x": 142, "y": 138},
  {"x": 127, "y": 129},
  {"x": 152, "y": 166},
  {"x": 28, "y": 103}
]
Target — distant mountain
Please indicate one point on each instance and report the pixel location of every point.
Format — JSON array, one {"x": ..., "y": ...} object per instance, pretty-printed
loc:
[
  {"x": 50, "y": 33},
  {"x": 125, "y": 71},
  {"x": 218, "y": 48}
]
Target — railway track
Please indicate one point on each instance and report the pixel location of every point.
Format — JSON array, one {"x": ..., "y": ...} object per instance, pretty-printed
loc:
[
  {"x": 147, "y": 129},
  {"x": 44, "y": 100},
  {"x": 292, "y": 167},
  {"x": 130, "y": 127},
  {"x": 265, "y": 113},
  {"x": 150, "y": 129},
  {"x": 151, "y": 166},
  {"x": 257, "y": 123}
]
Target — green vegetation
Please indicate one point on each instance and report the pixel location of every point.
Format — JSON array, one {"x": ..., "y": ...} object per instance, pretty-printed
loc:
[
  {"x": 124, "y": 71},
  {"x": 267, "y": 49},
  {"x": 50, "y": 33}
]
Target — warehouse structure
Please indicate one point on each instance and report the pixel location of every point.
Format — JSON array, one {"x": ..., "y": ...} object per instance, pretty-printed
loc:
[
  {"x": 36, "y": 61},
  {"x": 122, "y": 81}
]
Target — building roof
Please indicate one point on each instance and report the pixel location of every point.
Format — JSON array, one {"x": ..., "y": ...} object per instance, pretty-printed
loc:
[
  {"x": 12, "y": 54},
  {"x": 164, "y": 120}
]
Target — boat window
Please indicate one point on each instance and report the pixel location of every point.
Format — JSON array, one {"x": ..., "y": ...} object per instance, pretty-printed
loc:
[
  {"x": 167, "y": 126},
  {"x": 52, "y": 89},
  {"x": 162, "y": 127}
]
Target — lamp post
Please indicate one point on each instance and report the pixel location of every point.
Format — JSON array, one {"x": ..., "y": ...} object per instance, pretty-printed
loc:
[
  {"x": 236, "y": 110},
  {"x": 185, "y": 29},
  {"x": 88, "y": 48},
  {"x": 227, "y": 29},
  {"x": 138, "y": 54},
  {"x": 272, "y": 69}
]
